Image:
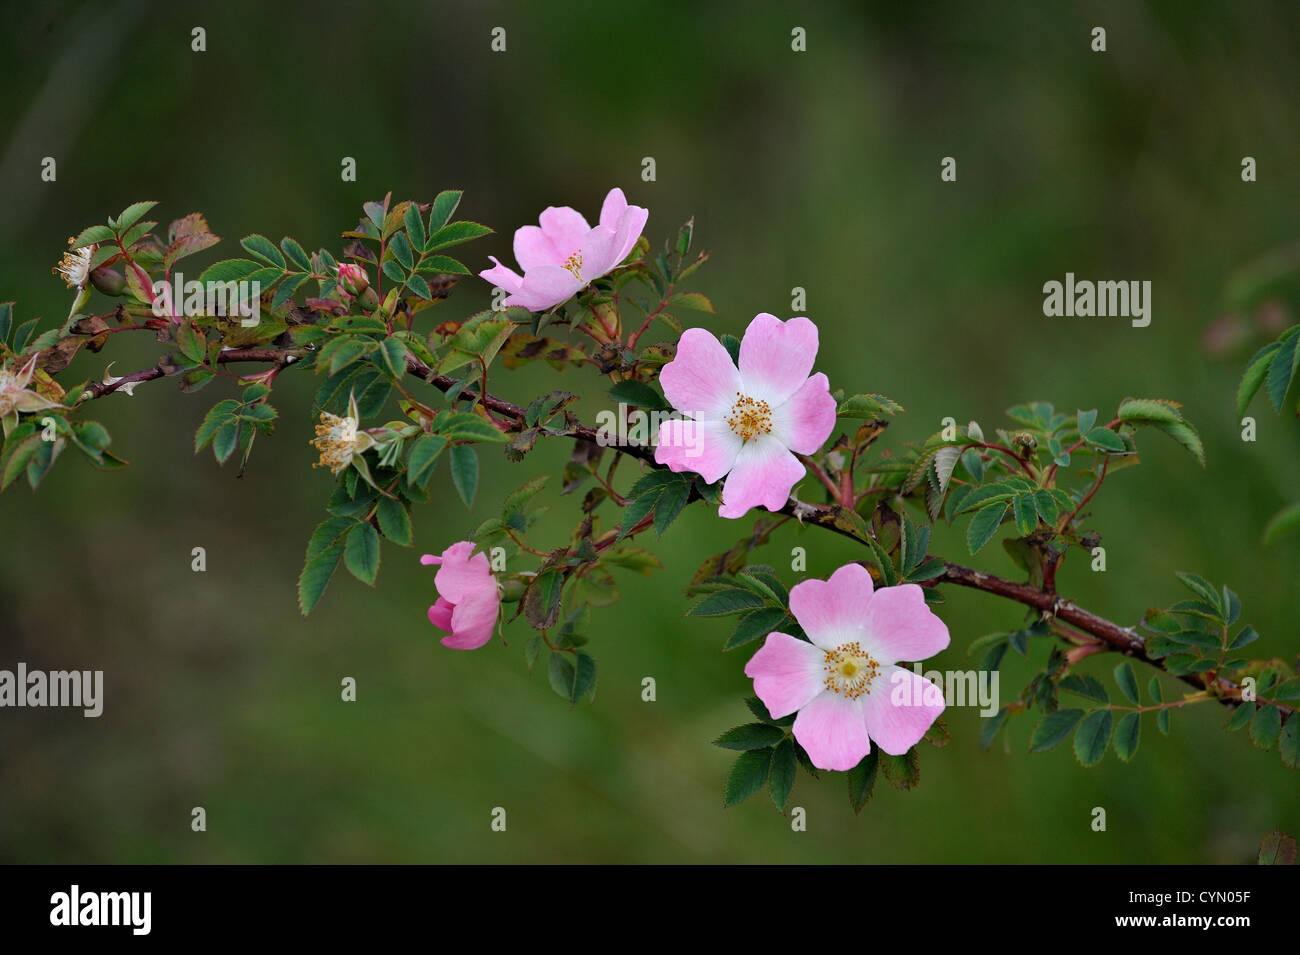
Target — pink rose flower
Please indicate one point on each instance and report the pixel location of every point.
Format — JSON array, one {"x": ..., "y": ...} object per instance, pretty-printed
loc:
[
  {"x": 747, "y": 420},
  {"x": 844, "y": 684},
  {"x": 564, "y": 254},
  {"x": 468, "y": 599}
]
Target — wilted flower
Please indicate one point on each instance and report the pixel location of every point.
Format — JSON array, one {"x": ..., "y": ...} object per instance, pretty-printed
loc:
[
  {"x": 338, "y": 439},
  {"x": 74, "y": 268},
  {"x": 16, "y": 397},
  {"x": 468, "y": 596},
  {"x": 747, "y": 420},
  {"x": 564, "y": 254},
  {"x": 844, "y": 683}
]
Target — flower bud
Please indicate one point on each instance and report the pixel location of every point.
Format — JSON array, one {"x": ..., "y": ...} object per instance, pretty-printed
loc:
[
  {"x": 369, "y": 299},
  {"x": 511, "y": 589},
  {"x": 352, "y": 278},
  {"x": 109, "y": 281}
]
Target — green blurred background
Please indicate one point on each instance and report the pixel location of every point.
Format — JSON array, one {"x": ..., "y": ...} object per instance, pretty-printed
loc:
[{"x": 818, "y": 169}]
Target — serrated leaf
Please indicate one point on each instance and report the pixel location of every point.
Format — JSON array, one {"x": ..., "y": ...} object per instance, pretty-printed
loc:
[
  {"x": 750, "y": 736},
  {"x": 1126, "y": 679},
  {"x": 1128, "y": 733},
  {"x": 1092, "y": 738},
  {"x": 748, "y": 775},
  {"x": 394, "y": 521},
  {"x": 1052, "y": 729},
  {"x": 464, "y": 472},
  {"x": 781, "y": 773},
  {"x": 1288, "y": 745},
  {"x": 862, "y": 780},
  {"x": 1265, "y": 726},
  {"x": 362, "y": 553},
  {"x": 984, "y": 525}
]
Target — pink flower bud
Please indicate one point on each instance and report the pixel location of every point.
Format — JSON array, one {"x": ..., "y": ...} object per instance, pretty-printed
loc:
[{"x": 352, "y": 278}]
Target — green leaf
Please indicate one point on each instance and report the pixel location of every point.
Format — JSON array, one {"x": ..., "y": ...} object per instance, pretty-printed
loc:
[
  {"x": 263, "y": 248},
  {"x": 443, "y": 208},
  {"x": 1184, "y": 434},
  {"x": 1128, "y": 734},
  {"x": 324, "y": 551},
  {"x": 1026, "y": 512},
  {"x": 1148, "y": 410},
  {"x": 867, "y": 406},
  {"x": 455, "y": 234},
  {"x": 753, "y": 625},
  {"x": 1266, "y": 726},
  {"x": 1092, "y": 738},
  {"x": 1164, "y": 721},
  {"x": 131, "y": 215},
  {"x": 692, "y": 300},
  {"x": 1052, "y": 729},
  {"x": 1127, "y": 680},
  {"x": 464, "y": 472},
  {"x": 732, "y": 344},
  {"x": 781, "y": 773},
  {"x": 1241, "y": 716},
  {"x": 1289, "y": 742},
  {"x": 1256, "y": 369},
  {"x": 414, "y": 225},
  {"x": 1281, "y": 369},
  {"x": 192, "y": 343},
  {"x": 229, "y": 270},
  {"x": 862, "y": 780},
  {"x": 362, "y": 553},
  {"x": 1086, "y": 686},
  {"x": 903, "y": 772},
  {"x": 424, "y": 455},
  {"x": 225, "y": 440},
  {"x": 584, "y": 677},
  {"x": 750, "y": 736},
  {"x": 669, "y": 504},
  {"x": 295, "y": 254},
  {"x": 560, "y": 674},
  {"x": 394, "y": 521},
  {"x": 726, "y": 602},
  {"x": 748, "y": 776},
  {"x": 638, "y": 394},
  {"x": 1106, "y": 440},
  {"x": 984, "y": 525}
]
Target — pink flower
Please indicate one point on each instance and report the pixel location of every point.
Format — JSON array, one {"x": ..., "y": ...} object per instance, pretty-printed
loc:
[
  {"x": 468, "y": 599},
  {"x": 844, "y": 684},
  {"x": 565, "y": 254},
  {"x": 749, "y": 419}
]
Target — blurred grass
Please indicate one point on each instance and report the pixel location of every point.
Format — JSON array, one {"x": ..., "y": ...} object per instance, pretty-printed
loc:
[{"x": 817, "y": 170}]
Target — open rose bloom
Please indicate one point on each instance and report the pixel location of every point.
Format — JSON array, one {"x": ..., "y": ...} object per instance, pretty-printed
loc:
[
  {"x": 845, "y": 685},
  {"x": 468, "y": 598},
  {"x": 563, "y": 254},
  {"x": 747, "y": 419}
]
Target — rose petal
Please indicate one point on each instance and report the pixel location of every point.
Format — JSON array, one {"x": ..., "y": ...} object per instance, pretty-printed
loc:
[
  {"x": 598, "y": 250},
  {"x": 900, "y": 708},
  {"x": 834, "y": 611},
  {"x": 545, "y": 287},
  {"x": 763, "y": 475},
  {"x": 701, "y": 381},
  {"x": 462, "y": 576},
  {"x": 472, "y": 623},
  {"x": 565, "y": 227},
  {"x": 612, "y": 209},
  {"x": 440, "y": 614},
  {"x": 708, "y": 448},
  {"x": 503, "y": 277},
  {"x": 805, "y": 421},
  {"x": 787, "y": 673},
  {"x": 833, "y": 731},
  {"x": 901, "y": 626},
  {"x": 776, "y": 357},
  {"x": 533, "y": 248},
  {"x": 629, "y": 229}
]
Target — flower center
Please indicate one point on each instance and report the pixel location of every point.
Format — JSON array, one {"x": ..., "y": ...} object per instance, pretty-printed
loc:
[
  {"x": 750, "y": 418},
  {"x": 849, "y": 670},
  {"x": 9, "y": 392},
  {"x": 574, "y": 264},
  {"x": 336, "y": 439}
]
